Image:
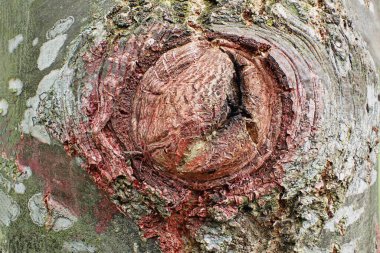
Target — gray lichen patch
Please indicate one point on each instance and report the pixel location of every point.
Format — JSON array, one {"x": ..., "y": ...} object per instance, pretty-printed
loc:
[
  {"x": 54, "y": 216},
  {"x": 9, "y": 209},
  {"x": 77, "y": 247},
  {"x": 57, "y": 80},
  {"x": 56, "y": 38}
]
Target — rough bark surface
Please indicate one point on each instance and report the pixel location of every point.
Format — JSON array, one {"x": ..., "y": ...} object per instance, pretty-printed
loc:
[{"x": 214, "y": 126}]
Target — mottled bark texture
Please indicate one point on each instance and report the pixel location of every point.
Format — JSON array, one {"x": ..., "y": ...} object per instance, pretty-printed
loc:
[{"x": 224, "y": 126}]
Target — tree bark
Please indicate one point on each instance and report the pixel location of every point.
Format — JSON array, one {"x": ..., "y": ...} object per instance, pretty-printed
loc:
[{"x": 189, "y": 126}]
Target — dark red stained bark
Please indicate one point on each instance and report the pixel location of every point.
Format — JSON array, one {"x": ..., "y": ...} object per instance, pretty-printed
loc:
[{"x": 193, "y": 124}]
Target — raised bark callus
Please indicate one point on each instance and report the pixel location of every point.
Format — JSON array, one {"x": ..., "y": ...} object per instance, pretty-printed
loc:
[{"x": 222, "y": 136}]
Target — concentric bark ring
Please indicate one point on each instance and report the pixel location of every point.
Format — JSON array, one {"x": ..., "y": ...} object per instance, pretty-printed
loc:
[{"x": 206, "y": 110}]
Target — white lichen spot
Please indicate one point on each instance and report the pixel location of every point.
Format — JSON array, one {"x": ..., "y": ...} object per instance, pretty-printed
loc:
[
  {"x": 150, "y": 42},
  {"x": 348, "y": 213},
  {"x": 60, "y": 27},
  {"x": 9, "y": 209},
  {"x": 49, "y": 51},
  {"x": 59, "y": 218},
  {"x": 78, "y": 161},
  {"x": 15, "y": 85},
  {"x": 35, "y": 42},
  {"x": 77, "y": 246},
  {"x": 3, "y": 107},
  {"x": 19, "y": 188},
  {"x": 14, "y": 43}
]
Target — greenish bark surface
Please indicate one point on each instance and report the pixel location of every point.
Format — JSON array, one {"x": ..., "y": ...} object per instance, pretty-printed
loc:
[{"x": 18, "y": 232}]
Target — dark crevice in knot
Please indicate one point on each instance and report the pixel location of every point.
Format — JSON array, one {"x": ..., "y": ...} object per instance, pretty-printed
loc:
[{"x": 236, "y": 104}]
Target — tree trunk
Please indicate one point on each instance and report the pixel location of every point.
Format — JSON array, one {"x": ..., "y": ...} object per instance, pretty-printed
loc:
[{"x": 189, "y": 126}]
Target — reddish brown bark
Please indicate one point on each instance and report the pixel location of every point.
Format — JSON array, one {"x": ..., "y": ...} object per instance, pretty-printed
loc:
[{"x": 196, "y": 125}]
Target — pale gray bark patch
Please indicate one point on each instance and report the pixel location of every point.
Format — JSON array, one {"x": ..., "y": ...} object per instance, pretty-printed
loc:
[
  {"x": 60, "y": 27},
  {"x": 49, "y": 51},
  {"x": 347, "y": 214},
  {"x": 362, "y": 182}
]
